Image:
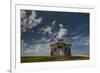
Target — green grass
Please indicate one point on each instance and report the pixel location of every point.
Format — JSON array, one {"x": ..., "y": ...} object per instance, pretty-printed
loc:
[{"x": 27, "y": 59}]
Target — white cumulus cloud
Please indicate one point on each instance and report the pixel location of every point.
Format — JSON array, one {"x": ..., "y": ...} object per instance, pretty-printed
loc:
[
  {"x": 53, "y": 22},
  {"x": 62, "y": 31},
  {"x": 61, "y": 25},
  {"x": 23, "y": 13},
  {"x": 29, "y": 21},
  {"x": 47, "y": 30}
]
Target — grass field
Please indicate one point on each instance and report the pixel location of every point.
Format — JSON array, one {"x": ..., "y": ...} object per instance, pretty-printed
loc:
[{"x": 51, "y": 58}]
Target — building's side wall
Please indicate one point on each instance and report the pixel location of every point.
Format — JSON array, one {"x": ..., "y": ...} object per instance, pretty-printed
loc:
[
  {"x": 68, "y": 51},
  {"x": 52, "y": 53}
]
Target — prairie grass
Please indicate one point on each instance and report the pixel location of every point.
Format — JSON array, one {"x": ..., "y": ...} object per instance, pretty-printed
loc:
[{"x": 27, "y": 59}]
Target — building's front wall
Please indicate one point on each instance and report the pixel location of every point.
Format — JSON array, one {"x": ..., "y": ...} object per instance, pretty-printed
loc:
[{"x": 60, "y": 50}]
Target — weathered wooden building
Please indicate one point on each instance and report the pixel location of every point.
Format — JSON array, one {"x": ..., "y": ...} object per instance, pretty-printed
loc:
[{"x": 60, "y": 48}]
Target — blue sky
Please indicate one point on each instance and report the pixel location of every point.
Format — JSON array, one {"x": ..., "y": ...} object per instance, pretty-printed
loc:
[{"x": 40, "y": 28}]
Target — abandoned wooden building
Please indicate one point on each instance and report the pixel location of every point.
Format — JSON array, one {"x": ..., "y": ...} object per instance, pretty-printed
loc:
[{"x": 60, "y": 48}]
